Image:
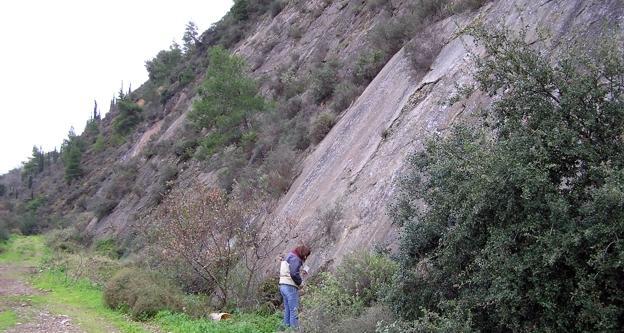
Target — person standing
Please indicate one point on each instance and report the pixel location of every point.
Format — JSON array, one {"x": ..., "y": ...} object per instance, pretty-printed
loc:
[{"x": 290, "y": 281}]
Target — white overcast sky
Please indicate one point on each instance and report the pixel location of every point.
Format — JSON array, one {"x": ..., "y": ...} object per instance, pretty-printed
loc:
[{"x": 58, "y": 56}]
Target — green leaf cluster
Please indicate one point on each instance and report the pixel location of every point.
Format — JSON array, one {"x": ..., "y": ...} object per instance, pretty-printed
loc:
[
  {"x": 162, "y": 66},
  {"x": 518, "y": 225},
  {"x": 228, "y": 100},
  {"x": 71, "y": 154},
  {"x": 129, "y": 116}
]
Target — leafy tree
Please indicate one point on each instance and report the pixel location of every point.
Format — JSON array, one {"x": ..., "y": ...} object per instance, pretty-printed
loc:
[
  {"x": 323, "y": 81},
  {"x": 71, "y": 153},
  {"x": 190, "y": 37},
  {"x": 240, "y": 10},
  {"x": 229, "y": 98},
  {"x": 161, "y": 67},
  {"x": 35, "y": 164},
  {"x": 129, "y": 116},
  {"x": 519, "y": 225}
]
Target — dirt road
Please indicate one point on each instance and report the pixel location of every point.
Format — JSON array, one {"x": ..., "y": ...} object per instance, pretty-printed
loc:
[{"x": 16, "y": 296}]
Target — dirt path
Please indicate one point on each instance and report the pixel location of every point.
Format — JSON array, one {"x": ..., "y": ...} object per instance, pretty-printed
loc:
[{"x": 15, "y": 296}]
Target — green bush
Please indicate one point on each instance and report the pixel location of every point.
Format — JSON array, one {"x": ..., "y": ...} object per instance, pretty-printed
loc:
[
  {"x": 100, "y": 143},
  {"x": 366, "y": 322},
  {"x": 368, "y": 66},
  {"x": 277, "y": 6},
  {"x": 280, "y": 167},
  {"x": 185, "y": 149},
  {"x": 323, "y": 81},
  {"x": 344, "y": 94},
  {"x": 342, "y": 300},
  {"x": 161, "y": 67},
  {"x": 228, "y": 100},
  {"x": 321, "y": 126},
  {"x": 65, "y": 240},
  {"x": 108, "y": 248},
  {"x": 128, "y": 117},
  {"x": 141, "y": 294},
  {"x": 71, "y": 154},
  {"x": 422, "y": 50},
  {"x": 101, "y": 207},
  {"x": 519, "y": 225},
  {"x": 367, "y": 275}
]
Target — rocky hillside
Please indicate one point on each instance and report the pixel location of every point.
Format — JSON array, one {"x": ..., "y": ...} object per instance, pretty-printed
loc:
[{"x": 379, "y": 73}]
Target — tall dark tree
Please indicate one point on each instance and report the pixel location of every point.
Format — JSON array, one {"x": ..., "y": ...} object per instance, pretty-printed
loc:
[
  {"x": 189, "y": 38},
  {"x": 228, "y": 99},
  {"x": 71, "y": 154}
]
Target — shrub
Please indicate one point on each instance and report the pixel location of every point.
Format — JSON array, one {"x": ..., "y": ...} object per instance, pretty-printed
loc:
[
  {"x": 321, "y": 126},
  {"x": 368, "y": 66},
  {"x": 141, "y": 294},
  {"x": 344, "y": 95},
  {"x": 280, "y": 167},
  {"x": 422, "y": 50},
  {"x": 65, "y": 240},
  {"x": 108, "y": 248},
  {"x": 128, "y": 117},
  {"x": 295, "y": 32},
  {"x": 99, "y": 144},
  {"x": 103, "y": 206},
  {"x": 389, "y": 36},
  {"x": 289, "y": 84},
  {"x": 528, "y": 207},
  {"x": 367, "y": 322},
  {"x": 228, "y": 100},
  {"x": 327, "y": 217},
  {"x": 367, "y": 275},
  {"x": 323, "y": 81},
  {"x": 345, "y": 300},
  {"x": 375, "y": 5},
  {"x": 185, "y": 149},
  {"x": 291, "y": 107},
  {"x": 325, "y": 303},
  {"x": 161, "y": 67},
  {"x": 277, "y": 6}
]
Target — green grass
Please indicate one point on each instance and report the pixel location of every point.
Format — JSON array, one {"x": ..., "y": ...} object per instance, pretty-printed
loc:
[
  {"x": 81, "y": 300},
  {"x": 8, "y": 319},
  {"x": 240, "y": 323},
  {"x": 24, "y": 250}
]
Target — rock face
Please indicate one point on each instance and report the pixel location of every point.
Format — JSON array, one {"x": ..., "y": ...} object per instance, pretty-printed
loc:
[
  {"x": 359, "y": 161},
  {"x": 339, "y": 200}
]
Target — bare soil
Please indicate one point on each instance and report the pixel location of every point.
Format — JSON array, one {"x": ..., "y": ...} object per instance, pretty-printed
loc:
[{"x": 14, "y": 293}]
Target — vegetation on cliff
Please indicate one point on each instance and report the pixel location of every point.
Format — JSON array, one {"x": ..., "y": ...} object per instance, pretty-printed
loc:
[{"x": 517, "y": 225}]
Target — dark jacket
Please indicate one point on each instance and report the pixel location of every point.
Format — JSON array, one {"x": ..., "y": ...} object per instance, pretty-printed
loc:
[{"x": 290, "y": 270}]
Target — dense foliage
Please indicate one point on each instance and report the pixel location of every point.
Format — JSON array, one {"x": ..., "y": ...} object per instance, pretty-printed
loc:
[
  {"x": 129, "y": 116},
  {"x": 518, "y": 225},
  {"x": 162, "y": 65},
  {"x": 341, "y": 301},
  {"x": 71, "y": 154},
  {"x": 229, "y": 98},
  {"x": 141, "y": 294}
]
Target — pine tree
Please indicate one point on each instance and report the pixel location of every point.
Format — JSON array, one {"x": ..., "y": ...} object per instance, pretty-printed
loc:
[{"x": 190, "y": 38}]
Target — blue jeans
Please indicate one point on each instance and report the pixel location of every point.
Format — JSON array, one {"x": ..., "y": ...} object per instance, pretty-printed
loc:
[{"x": 290, "y": 294}]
